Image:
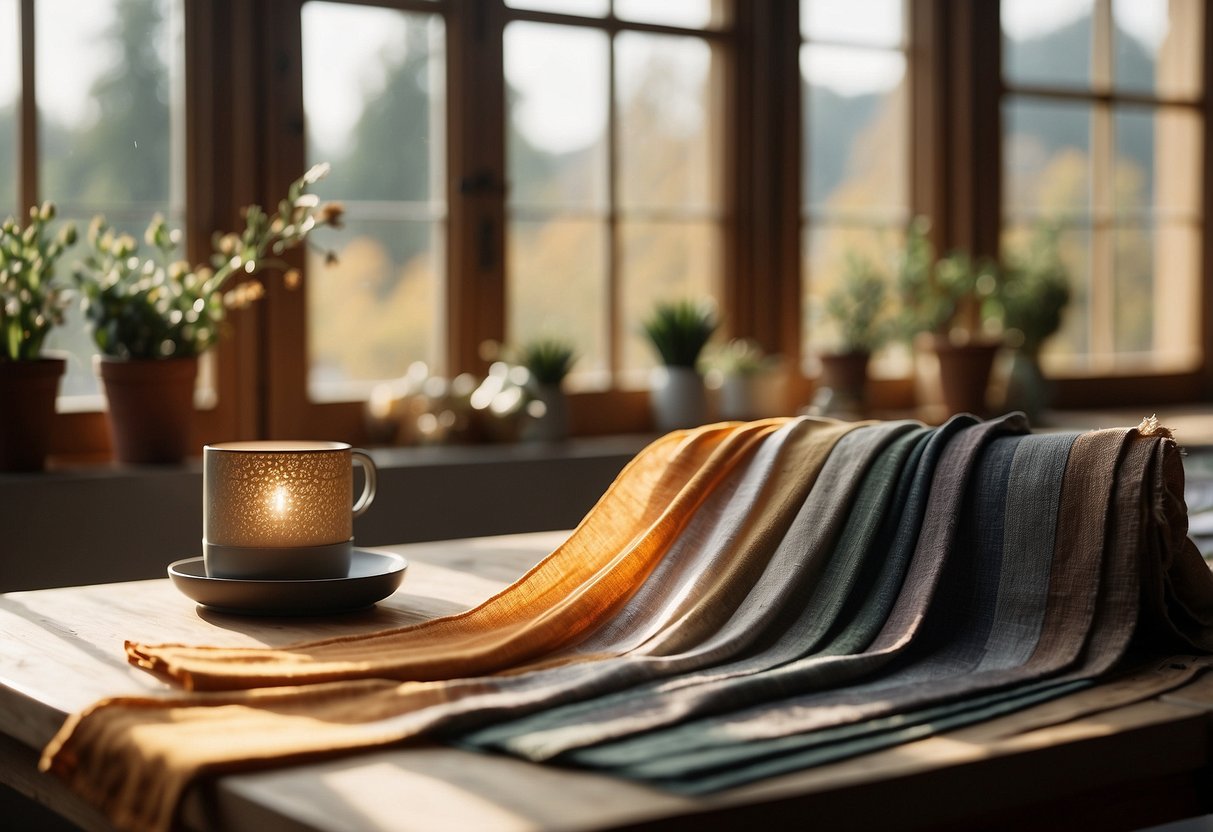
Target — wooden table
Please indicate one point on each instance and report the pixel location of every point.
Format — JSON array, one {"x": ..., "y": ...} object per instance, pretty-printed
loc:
[{"x": 61, "y": 649}]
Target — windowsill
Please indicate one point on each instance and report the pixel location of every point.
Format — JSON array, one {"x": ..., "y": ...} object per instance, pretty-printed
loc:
[
  {"x": 1192, "y": 424},
  {"x": 80, "y": 523},
  {"x": 386, "y": 457}
]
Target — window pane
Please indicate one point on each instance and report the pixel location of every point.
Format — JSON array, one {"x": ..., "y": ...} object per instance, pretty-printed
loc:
[
  {"x": 1047, "y": 42},
  {"x": 854, "y": 151},
  {"x": 375, "y": 113},
  {"x": 693, "y": 14},
  {"x": 1125, "y": 178},
  {"x": 1151, "y": 266},
  {"x": 374, "y": 312},
  {"x": 557, "y": 147},
  {"x": 1046, "y": 158},
  {"x": 10, "y": 89},
  {"x": 111, "y": 139},
  {"x": 371, "y": 111},
  {"x": 855, "y": 131},
  {"x": 558, "y": 286},
  {"x": 1176, "y": 274},
  {"x": 1157, "y": 48},
  {"x": 669, "y": 131},
  {"x": 108, "y": 76},
  {"x": 1133, "y": 290},
  {"x": 871, "y": 22},
  {"x": 663, "y": 262},
  {"x": 1158, "y": 157},
  {"x": 585, "y": 8}
]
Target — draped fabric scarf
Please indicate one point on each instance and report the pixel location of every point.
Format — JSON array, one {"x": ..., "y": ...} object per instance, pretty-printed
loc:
[{"x": 745, "y": 599}]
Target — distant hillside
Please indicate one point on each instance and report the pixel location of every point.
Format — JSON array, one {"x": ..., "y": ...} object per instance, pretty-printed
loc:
[
  {"x": 839, "y": 119},
  {"x": 1063, "y": 54},
  {"x": 831, "y": 124}
]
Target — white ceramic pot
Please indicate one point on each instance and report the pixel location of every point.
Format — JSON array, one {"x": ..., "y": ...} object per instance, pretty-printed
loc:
[
  {"x": 739, "y": 397},
  {"x": 678, "y": 398},
  {"x": 550, "y": 421}
]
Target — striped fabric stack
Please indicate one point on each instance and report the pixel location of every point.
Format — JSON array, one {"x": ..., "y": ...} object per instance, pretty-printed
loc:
[{"x": 744, "y": 600}]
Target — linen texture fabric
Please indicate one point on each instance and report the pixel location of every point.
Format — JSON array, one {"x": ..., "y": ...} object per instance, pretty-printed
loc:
[{"x": 744, "y": 600}]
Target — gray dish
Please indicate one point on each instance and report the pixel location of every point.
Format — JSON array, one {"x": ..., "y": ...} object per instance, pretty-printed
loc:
[{"x": 373, "y": 576}]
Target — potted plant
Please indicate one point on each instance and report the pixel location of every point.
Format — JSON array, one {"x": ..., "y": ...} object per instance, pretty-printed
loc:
[
  {"x": 679, "y": 331},
  {"x": 858, "y": 309},
  {"x": 738, "y": 369},
  {"x": 32, "y": 302},
  {"x": 1036, "y": 291},
  {"x": 547, "y": 361},
  {"x": 954, "y": 304},
  {"x": 153, "y": 314}
]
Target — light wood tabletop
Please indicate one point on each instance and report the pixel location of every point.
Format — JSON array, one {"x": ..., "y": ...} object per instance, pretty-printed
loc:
[{"x": 1125, "y": 766}]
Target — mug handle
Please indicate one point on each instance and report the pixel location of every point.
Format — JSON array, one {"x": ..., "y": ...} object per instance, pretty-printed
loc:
[{"x": 363, "y": 459}]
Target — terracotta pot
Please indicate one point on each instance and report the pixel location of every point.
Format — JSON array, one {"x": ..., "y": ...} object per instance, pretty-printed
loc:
[
  {"x": 964, "y": 374},
  {"x": 27, "y": 411},
  {"x": 151, "y": 407},
  {"x": 846, "y": 374},
  {"x": 679, "y": 398},
  {"x": 738, "y": 399}
]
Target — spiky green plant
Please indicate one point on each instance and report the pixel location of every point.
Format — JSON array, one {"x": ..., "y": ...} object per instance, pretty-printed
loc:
[
  {"x": 548, "y": 360},
  {"x": 159, "y": 305},
  {"x": 32, "y": 302},
  {"x": 679, "y": 331}
]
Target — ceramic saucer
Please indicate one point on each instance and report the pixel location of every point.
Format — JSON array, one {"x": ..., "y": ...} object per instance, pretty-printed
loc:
[{"x": 373, "y": 576}]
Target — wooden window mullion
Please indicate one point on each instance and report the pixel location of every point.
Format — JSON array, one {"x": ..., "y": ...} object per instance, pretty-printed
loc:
[
  {"x": 1102, "y": 292},
  {"x": 476, "y": 182},
  {"x": 614, "y": 272},
  {"x": 762, "y": 185},
  {"x": 27, "y": 190}
]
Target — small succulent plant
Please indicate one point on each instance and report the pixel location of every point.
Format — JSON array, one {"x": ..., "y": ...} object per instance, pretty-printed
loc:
[
  {"x": 548, "y": 360},
  {"x": 679, "y": 331}
]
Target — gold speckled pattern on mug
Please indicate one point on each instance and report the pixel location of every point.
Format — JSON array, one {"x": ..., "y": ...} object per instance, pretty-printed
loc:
[{"x": 278, "y": 499}]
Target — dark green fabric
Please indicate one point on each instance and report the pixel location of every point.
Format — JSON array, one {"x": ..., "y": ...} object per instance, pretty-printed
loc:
[
  {"x": 787, "y": 668},
  {"x": 796, "y": 569},
  {"x": 980, "y": 571},
  {"x": 1033, "y": 499},
  {"x": 793, "y": 700}
]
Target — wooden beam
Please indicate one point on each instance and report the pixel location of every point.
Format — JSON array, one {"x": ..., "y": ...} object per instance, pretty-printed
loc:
[{"x": 476, "y": 182}]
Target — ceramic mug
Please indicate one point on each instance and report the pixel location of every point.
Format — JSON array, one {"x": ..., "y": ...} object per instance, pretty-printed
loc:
[{"x": 281, "y": 510}]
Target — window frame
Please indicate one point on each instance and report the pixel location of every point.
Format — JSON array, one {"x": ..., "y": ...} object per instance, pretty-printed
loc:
[
  {"x": 245, "y": 143},
  {"x": 721, "y": 39},
  {"x": 286, "y": 409},
  {"x": 811, "y": 216},
  {"x": 476, "y": 174},
  {"x": 1104, "y": 388},
  {"x": 1106, "y": 102}
]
